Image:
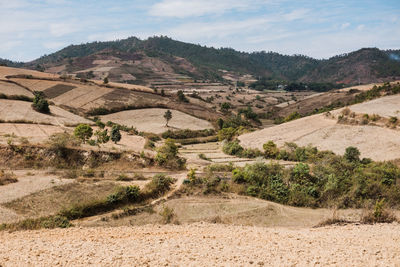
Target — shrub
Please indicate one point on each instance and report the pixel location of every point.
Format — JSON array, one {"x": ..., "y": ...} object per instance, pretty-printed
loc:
[
  {"x": 115, "y": 134},
  {"x": 167, "y": 156},
  {"x": 203, "y": 156},
  {"x": 159, "y": 184},
  {"x": 83, "y": 132},
  {"x": 7, "y": 178},
  {"x": 167, "y": 214},
  {"x": 124, "y": 177},
  {"x": 227, "y": 134},
  {"x": 270, "y": 150},
  {"x": 379, "y": 214},
  {"x": 393, "y": 120},
  {"x": 352, "y": 154},
  {"x": 182, "y": 97},
  {"x": 186, "y": 133},
  {"x": 232, "y": 148},
  {"x": 40, "y": 104}
]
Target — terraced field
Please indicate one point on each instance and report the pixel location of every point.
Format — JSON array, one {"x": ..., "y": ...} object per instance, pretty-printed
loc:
[
  {"x": 325, "y": 133},
  {"x": 15, "y": 111},
  {"x": 152, "y": 120}
]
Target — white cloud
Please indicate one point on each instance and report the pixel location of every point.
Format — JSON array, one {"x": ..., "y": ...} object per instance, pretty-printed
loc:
[
  {"x": 360, "y": 27},
  {"x": 344, "y": 25},
  {"x": 217, "y": 29},
  {"x": 190, "y": 8},
  {"x": 296, "y": 14},
  {"x": 61, "y": 29}
]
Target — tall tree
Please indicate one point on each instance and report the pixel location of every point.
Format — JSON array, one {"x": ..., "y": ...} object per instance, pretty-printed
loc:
[{"x": 167, "y": 116}]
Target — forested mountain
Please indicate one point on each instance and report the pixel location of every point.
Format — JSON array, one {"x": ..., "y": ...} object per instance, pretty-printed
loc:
[{"x": 200, "y": 62}]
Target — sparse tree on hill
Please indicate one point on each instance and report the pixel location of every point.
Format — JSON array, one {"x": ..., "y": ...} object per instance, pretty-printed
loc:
[
  {"x": 167, "y": 116},
  {"x": 115, "y": 134},
  {"x": 83, "y": 132},
  {"x": 105, "y": 80}
]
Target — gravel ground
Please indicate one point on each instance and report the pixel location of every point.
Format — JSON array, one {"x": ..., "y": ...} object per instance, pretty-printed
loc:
[{"x": 203, "y": 244}]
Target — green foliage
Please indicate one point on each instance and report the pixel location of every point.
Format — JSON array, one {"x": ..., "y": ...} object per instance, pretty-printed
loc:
[
  {"x": 100, "y": 124},
  {"x": 232, "y": 148},
  {"x": 105, "y": 80},
  {"x": 167, "y": 116},
  {"x": 330, "y": 180},
  {"x": 270, "y": 150},
  {"x": 167, "y": 214},
  {"x": 226, "y": 106},
  {"x": 40, "y": 104},
  {"x": 115, "y": 134},
  {"x": 167, "y": 156},
  {"x": 227, "y": 133},
  {"x": 83, "y": 132},
  {"x": 352, "y": 154},
  {"x": 102, "y": 136},
  {"x": 182, "y": 97},
  {"x": 249, "y": 114},
  {"x": 186, "y": 133},
  {"x": 220, "y": 123}
]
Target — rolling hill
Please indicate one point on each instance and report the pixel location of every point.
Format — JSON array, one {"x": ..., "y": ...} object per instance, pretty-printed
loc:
[{"x": 162, "y": 60}]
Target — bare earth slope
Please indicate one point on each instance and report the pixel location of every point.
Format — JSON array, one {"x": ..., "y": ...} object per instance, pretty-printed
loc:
[
  {"x": 13, "y": 110},
  {"x": 152, "y": 120},
  {"x": 204, "y": 244},
  {"x": 373, "y": 142},
  {"x": 386, "y": 106}
]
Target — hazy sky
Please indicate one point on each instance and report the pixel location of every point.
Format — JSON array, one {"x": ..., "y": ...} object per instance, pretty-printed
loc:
[{"x": 321, "y": 28}]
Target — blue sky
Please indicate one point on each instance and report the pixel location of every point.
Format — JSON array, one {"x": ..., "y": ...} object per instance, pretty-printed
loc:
[{"x": 320, "y": 29}]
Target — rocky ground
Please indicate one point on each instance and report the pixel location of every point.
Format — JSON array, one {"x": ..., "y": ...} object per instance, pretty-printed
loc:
[{"x": 203, "y": 244}]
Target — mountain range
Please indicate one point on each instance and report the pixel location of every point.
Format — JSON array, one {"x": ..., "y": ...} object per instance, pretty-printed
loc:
[{"x": 162, "y": 60}]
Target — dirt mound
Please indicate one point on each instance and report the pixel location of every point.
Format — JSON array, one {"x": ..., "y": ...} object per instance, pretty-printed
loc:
[
  {"x": 373, "y": 142},
  {"x": 204, "y": 244},
  {"x": 152, "y": 120}
]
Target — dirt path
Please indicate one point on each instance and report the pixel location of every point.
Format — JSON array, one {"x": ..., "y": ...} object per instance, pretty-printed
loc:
[
  {"x": 204, "y": 244},
  {"x": 180, "y": 177}
]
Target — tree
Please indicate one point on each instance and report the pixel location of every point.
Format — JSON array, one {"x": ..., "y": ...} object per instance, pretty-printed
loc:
[
  {"x": 102, "y": 136},
  {"x": 167, "y": 156},
  {"x": 225, "y": 106},
  {"x": 40, "y": 104},
  {"x": 220, "y": 123},
  {"x": 352, "y": 154},
  {"x": 167, "y": 116},
  {"x": 83, "y": 131},
  {"x": 115, "y": 134},
  {"x": 181, "y": 96},
  {"x": 105, "y": 80}
]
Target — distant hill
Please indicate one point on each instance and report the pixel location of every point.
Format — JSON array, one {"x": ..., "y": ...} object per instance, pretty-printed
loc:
[{"x": 161, "y": 60}]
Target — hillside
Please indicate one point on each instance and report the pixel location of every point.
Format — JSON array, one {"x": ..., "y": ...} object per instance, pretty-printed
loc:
[
  {"x": 370, "y": 126},
  {"x": 161, "y": 60}
]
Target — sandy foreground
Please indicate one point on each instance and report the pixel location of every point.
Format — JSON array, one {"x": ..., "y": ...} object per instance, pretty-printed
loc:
[{"x": 204, "y": 244}]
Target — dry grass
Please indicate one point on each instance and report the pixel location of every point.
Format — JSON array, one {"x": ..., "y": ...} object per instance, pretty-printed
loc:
[{"x": 7, "y": 178}]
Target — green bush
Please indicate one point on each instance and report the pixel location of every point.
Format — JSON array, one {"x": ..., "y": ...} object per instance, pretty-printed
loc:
[
  {"x": 270, "y": 150},
  {"x": 83, "y": 132},
  {"x": 40, "y": 104},
  {"x": 167, "y": 156},
  {"x": 232, "y": 148}
]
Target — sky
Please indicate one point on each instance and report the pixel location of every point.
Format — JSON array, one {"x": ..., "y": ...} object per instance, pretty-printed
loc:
[{"x": 320, "y": 29}]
